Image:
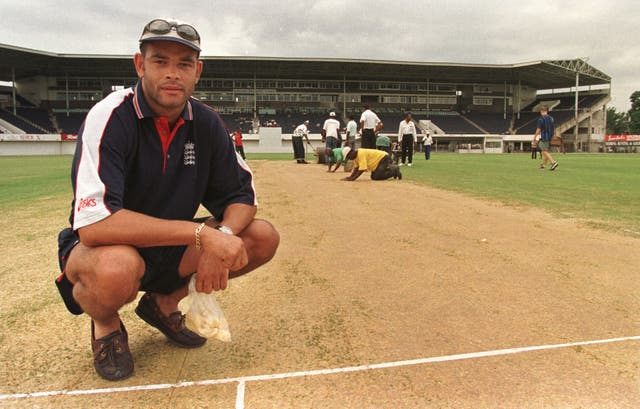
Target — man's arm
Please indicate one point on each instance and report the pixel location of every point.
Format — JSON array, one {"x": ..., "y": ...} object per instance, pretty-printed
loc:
[
  {"x": 139, "y": 230},
  {"x": 535, "y": 135},
  {"x": 136, "y": 229},
  {"x": 379, "y": 126},
  {"x": 354, "y": 175},
  {"x": 222, "y": 252},
  {"x": 237, "y": 216}
]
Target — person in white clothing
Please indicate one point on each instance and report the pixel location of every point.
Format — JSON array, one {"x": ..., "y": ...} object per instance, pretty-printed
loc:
[
  {"x": 370, "y": 125},
  {"x": 427, "y": 141},
  {"x": 352, "y": 131},
  {"x": 407, "y": 136},
  {"x": 296, "y": 140},
  {"x": 331, "y": 132}
]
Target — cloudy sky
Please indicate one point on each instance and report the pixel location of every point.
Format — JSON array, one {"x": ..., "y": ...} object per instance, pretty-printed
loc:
[{"x": 457, "y": 31}]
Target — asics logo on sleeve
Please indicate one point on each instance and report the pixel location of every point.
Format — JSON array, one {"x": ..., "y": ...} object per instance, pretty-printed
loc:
[{"x": 83, "y": 203}]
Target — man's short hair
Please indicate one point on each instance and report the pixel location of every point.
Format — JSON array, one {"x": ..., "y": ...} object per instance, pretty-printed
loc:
[{"x": 544, "y": 108}]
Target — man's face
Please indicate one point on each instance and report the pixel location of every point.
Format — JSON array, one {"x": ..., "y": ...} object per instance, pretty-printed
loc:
[{"x": 169, "y": 73}]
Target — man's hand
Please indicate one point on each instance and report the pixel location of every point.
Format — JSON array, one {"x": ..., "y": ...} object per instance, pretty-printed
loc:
[{"x": 221, "y": 252}]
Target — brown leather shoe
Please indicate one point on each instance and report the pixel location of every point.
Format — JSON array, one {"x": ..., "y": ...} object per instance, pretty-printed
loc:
[
  {"x": 111, "y": 356},
  {"x": 172, "y": 327}
]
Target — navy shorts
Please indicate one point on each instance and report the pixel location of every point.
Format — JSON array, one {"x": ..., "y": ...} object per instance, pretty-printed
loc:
[{"x": 160, "y": 276}]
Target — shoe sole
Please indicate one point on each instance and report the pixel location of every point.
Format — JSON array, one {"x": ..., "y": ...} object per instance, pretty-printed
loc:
[{"x": 554, "y": 166}]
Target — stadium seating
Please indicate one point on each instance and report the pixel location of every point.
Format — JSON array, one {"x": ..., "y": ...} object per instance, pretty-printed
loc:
[
  {"x": 493, "y": 123},
  {"x": 453, "y": 123},
  {"x": 37, "y": 120},
  {"x": 562, "y": 112},
  {"x": 70, "y": 124},
  {"x": 20, "y": 122},
  {"x": 526, "y": 124},
  {"x": 37, "y": 116}
]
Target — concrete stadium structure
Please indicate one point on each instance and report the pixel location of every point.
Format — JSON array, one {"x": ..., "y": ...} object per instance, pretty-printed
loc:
[{"x": 468, "y": 107}]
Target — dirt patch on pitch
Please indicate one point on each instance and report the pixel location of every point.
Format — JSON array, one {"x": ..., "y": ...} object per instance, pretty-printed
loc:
[{"x": 367, "y": 272}]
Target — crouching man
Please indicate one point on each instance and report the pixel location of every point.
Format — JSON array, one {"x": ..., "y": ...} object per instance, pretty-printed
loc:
[
  {"x": 371, "y": 160},
  {"x": 147, "y": 157}
]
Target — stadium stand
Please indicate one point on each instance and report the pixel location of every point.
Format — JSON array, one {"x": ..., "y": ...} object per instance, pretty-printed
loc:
[
  {"x": 526, "y": 124},
  {"x": 20, "y": 100},
  {"x": 70, "y": 124},
  {"x": 454, "y": 123},
  {"x": 21, "y": 123},
  {"x": 563, "y": 110},
  {"x": 490, "y": 123},
  {"x": 37, "y": 116},
  {"x": 460, "y": 100},
  {"x": 24, "y": 102}
]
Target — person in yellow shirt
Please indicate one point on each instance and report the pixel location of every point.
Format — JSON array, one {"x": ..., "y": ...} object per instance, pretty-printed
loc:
[{"x": 370, "y": 160}]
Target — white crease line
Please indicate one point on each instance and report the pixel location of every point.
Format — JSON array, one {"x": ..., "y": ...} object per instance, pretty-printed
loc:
[
  {"x": 240, "y": 395},
  {"x": 256, "y": 378}
]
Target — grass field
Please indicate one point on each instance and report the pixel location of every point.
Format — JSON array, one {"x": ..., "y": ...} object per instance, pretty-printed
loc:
[{"x": 602, "y": 189}]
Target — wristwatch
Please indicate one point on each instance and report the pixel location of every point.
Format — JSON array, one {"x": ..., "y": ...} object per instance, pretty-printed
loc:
[{"x": 224, "y": 229}]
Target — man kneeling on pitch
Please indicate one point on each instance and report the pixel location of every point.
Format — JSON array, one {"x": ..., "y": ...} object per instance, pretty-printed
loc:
[
  {"x": 375, "y": 161},
  {"x": 147, "y": 157},
  {"x": 334, "y": 157}
]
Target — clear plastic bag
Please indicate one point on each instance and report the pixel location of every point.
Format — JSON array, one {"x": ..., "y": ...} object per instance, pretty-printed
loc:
[{"x": 204, "y": 315}]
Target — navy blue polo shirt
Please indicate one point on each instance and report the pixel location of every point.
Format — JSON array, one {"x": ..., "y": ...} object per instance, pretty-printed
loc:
[
  {"x": 546, "y": 126},
  {"x": 126, "y": 157}
]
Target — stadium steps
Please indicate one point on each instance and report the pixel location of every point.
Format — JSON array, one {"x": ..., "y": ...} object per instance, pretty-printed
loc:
[
  {"x": 23, "y": 123},
  {"x": 481, "y": 129},
  {"x": 582, "y": 115},
  {"x": 524, "y": 125}
]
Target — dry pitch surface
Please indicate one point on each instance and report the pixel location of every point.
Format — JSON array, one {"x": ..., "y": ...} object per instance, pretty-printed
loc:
[{"x": 367, "y": 272}]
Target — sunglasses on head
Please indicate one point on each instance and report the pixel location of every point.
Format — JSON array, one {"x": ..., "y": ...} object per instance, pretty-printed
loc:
[{"x": 160, "y": 26}]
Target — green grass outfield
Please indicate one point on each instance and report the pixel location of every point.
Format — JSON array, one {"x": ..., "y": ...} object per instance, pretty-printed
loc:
[{"x": 605, "y": 189}]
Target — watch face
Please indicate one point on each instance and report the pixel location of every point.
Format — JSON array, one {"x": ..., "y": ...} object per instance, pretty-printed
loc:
[{"x": 224, "y": 229}]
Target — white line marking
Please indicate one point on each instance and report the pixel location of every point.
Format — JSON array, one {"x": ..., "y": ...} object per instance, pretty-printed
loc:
[
  {"x": 240, "y": 395},
  {"x": 257, "y": 378}
]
